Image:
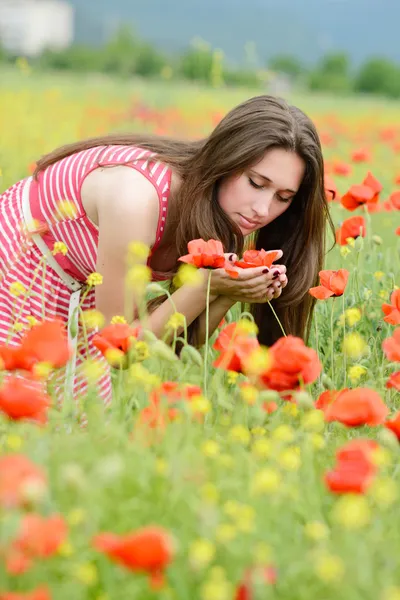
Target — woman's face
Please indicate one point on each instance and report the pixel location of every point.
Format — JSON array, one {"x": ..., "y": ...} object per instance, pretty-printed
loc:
[{"x": 263, "y": 191}]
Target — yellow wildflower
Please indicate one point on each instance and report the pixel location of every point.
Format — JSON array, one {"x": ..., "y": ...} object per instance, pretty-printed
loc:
[
  {"x": 118, "y": 319},
  {"x": 86, "y": 573},
  {"x": 176, "y": 321},
  {"x": 201, "y": 553},
  {"x": 67, "y": 209},
  {"x": 225, "y": 533},
  {"x": 188, "y": 275},
  {"x": 66, "y": 549},
  {"x": 352, "y": 512},
  {"x": 94, "y": 279},
  {"x": 291, "y": 409},
  {"x": 316, "y": 531},
  {"x": 379, "y": 275},
  {"x": 344, "y": 251},
  {"x": 283, "y": 433},
  {"x": 262, "y": 448},
  {"x": 138, "y": 251},
  {"x": 391, "y": 593},
  {"x": 142, "y": 351},
  {"x": 356, "y": 372},
  {"x": 257, "y": 361},
  {"x": 246, "y": 327},
  {"x": 210, "y": 448},
  {"x": 209, "y": 493},
  {"x": 14, "y": 442},
  {"x": 32, "y": 321},
  {"x": 232, "y": 377},
  {"x": 314, "y": 420},
  {"x": 352, "y": 316},
  {"x": 317, "y": 441},
  {"x": 93, "y": 318},
  {"x": 290, "y": 459},
  {"x": 354, "y": 346},
  {"x": 266, "y": 481},
  {"x": 240, "y": 433},
  {"x": 76, "y": 516},
  {"x": 329, "y": 568},
  {"x": 42, "y": 369},
  {"x": 200, "y": 405},
  {"x": 384, "y": 492},
  {"x": 249, "y": 394},
  {"x": 17, "y": 288},
  {"x": 59, "y": 248},
  {"x": 350, "y": 242}
]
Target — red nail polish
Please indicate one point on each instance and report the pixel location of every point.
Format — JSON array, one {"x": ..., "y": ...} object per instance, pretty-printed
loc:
[{"x": 265, "y": 271}]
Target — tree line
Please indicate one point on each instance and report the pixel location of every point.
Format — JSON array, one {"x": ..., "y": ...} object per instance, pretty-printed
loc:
[{"x": 126, "y": 54}]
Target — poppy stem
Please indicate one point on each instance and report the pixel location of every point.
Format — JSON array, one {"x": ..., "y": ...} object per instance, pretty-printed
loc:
[
  {"x": 344, "y": 335},
  {"x": 277, "y": 318},
  {"x": 205, "y": 364},
  {"x": 332, "y": 343}
]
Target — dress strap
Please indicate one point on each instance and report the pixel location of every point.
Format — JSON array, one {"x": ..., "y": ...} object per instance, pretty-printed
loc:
[{"x": 72, "y": 284}]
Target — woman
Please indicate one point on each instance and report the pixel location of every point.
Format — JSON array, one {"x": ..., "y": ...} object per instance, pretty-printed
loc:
[{"x": 259, "y": 172}]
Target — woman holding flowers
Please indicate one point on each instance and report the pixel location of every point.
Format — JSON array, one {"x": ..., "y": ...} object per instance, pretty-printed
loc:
[{"x": 258, "y": 176}]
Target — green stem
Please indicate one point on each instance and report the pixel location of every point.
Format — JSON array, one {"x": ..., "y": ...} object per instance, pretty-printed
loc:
[
  {"x": 205, "y": 364},
  {"x": 344, "y": 335},
  {"x": 277, "y": 318},
  {"x": 332, "y": 343}
]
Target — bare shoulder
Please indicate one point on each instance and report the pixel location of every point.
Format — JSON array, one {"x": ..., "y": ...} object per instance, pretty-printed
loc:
[{"x": 120, "y": 192}]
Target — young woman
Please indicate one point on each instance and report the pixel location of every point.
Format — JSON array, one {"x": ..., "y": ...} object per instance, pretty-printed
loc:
[{"x": 259, "y": 172}]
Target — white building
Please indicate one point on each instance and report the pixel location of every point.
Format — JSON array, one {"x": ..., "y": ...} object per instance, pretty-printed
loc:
[{"x": 27, "y": 27}]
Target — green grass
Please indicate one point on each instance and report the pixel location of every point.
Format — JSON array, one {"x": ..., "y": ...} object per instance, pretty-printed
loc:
[{"x": 249, "y": 486}]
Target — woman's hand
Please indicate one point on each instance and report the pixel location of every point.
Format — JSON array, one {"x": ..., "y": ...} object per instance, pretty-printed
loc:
[{"x": 257, "y": 285}]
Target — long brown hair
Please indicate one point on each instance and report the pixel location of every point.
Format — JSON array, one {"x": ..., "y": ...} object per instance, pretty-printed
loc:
[{"x": 239, "y": 141}]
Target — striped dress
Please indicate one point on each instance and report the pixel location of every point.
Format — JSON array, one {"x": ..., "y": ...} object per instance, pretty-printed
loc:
[{"x": 44, "y": 295}]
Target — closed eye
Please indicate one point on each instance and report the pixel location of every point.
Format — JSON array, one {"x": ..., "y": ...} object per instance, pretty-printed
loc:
[
  {"x": 253, "y": 183},
  {"x": 262, "y": 187}
]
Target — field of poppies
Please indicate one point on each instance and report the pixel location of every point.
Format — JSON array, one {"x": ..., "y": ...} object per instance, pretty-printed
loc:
[{"x": 234, "y": 472}]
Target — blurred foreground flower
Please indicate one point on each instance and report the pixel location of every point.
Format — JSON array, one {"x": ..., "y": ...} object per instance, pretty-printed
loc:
[{"x": 149, "y": 550}]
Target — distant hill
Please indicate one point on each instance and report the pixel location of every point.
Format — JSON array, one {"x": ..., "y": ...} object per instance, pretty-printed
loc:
[{"x": 305, "y": 28}]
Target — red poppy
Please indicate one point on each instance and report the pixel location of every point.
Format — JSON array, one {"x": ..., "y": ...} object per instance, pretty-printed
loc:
[
  {"x": 118, "y": 336},
  {"x": 397, "y": 231},
  {"x": 351, "y": 228},
  {"x": 17, "y": 472},
  {"x": 331, "y": 191},
  {"x": 257, "y": 258},
  {"x": 262, "y": 575},
  {"x": 40, "y": 593},
  {"x": 366, "y": 193},
  {"x": 40, "y": 537},
  {"x": 205, "y": 254},
  {"x": 326, "y": 398},
  {"x": 45, "y": 342},
  {"x": 342, "y": 168},
  {"x": 394, "y": 381},
  {"x": 361, "y": 155},
  {"x": 394, "y": 425},
  {"x": 269, "y": 407},
  {"x": 391, "y": 346},
  {"x": 359, "y": 406},
  {"x": 209, "y": 254},
  {"x": 293, "y": 364},
  {"x": 234, "y": 347},
  {"x": 392, "y": 310},
  {"x": 149, "y": 549},
  {"x": 333, "y": 283},
  {"x": 22, "y": 399},
  {"x": 355, "y": 469},
  {"x": 394, "y": 198}
]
